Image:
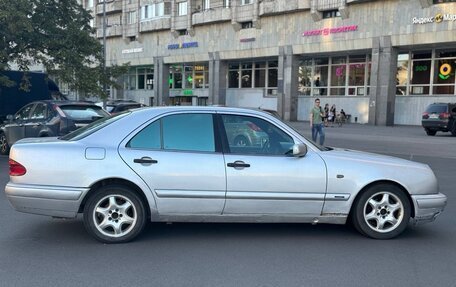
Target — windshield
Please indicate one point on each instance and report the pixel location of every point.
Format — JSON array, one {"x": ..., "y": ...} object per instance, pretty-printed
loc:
[{"x": 93, "y": 127}]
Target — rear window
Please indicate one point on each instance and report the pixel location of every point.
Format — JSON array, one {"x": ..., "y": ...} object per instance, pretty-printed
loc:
[
  {"x": 437, "y": 109},
  {"x": 93, "y": 127},
  {"x": 83, "y": 113}
]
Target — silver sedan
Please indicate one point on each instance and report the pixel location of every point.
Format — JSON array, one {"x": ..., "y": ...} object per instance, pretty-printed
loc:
[{"x": 176, "y": 164}]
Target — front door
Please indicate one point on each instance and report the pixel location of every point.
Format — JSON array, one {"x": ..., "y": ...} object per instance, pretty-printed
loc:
[
  {"x": 262, "y": 177},
  {"x": 15, "y": 130},
  {"x": 180, "y": 159}
]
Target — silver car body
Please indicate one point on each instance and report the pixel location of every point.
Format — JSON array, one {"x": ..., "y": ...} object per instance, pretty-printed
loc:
[{"x": 198, "y": 186}]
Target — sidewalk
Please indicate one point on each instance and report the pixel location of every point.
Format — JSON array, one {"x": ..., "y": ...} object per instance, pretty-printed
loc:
[{"x": 400, "y": 140}]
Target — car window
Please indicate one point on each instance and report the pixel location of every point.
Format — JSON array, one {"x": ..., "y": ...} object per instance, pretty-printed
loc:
[
  {"x": 251, "y": 135},
  {"x": 80, "y": 112},
  {"x": 189, "y": 132},
  {"x": 39, "y": 113},
  {"x": 24, "y": 113},
  {"x": 436, "y": 109},
  {"x": 148, "y": 138}
]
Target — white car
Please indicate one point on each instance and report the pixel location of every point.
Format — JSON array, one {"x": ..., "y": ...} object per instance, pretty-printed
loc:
[{"x": 174, "y": 164}]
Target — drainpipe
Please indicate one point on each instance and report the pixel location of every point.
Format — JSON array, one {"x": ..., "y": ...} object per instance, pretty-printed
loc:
[
  {"x": 256, "y": 13},
  {"x": 190, "y": 30},
  {"x": 234, "y": 23}
]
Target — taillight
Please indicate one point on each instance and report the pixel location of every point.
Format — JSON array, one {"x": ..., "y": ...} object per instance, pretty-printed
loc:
[
  {"x": 425, "y": 115},
  {"x": 444, "y": 115},
  {"x": 16, "y": 169},
  {"x": 254, "y": 127}
]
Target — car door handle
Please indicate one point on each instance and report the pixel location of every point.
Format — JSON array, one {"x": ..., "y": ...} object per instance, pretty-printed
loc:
[
  {"x": 238, "y": 163},
  {"x": 145, "y": 160}
]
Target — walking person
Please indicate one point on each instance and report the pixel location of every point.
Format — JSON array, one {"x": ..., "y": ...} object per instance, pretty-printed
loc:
[
  {"x": 316, "y": 122},
  {"x": 332, "y": 114},
  {"x": 326, "y": 113}
]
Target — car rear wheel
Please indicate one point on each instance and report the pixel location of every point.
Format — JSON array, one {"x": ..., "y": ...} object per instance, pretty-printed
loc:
[
  {"x": 114, "y": 214},
  {"x": 382, "y": 212},
  {"x": 430, "y": 132},
  {"x": 4, "y": 146}
]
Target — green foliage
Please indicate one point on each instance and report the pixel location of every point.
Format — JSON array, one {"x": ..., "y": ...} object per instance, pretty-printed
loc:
[{"x": 56, "y": 34}]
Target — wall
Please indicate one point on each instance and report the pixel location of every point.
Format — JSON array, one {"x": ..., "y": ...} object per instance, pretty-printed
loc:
[
  {"x": 409, "y": 109},
  {"x": 250, "y": 98}
]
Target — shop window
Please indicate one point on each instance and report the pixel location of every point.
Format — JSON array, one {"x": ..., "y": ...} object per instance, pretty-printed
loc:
[
  {"x": 305, "y": 77},
  {"x": 402, "y": 74},
  {"x": 194, "y": 76},
  {"x": 420, "y": 77},
  {"x": 233, "y": 78},
  {"x": 182, "y": 32},
  {"x": 245, "y": 2}
]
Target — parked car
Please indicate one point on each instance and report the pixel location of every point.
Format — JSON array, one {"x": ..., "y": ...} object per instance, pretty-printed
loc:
[
  {"x": 171, "y": 164},
  {"x": 47, "y": 119},
  {"x": 120, "y": 106},
  {"x": 439, "y": 117}
]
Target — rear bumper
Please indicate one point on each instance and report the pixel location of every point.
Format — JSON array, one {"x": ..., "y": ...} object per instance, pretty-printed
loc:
[
  {"x": 45, "y": 200},
  {"x": 435, "y": 125},
  {"x": 428, "y": 207}
]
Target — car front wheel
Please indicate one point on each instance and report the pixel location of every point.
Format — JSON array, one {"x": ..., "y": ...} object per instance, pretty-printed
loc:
[
  {"x": 382, "y": 212},
  {"x": 4, "y": 146},
  {"x": 114, "y": 214}
]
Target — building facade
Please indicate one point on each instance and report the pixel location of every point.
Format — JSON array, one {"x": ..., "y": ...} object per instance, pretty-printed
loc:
[{"x": 381, "y": 61}]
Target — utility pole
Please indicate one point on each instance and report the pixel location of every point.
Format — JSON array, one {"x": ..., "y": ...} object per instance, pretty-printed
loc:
[{"x": 104, "y": 52}]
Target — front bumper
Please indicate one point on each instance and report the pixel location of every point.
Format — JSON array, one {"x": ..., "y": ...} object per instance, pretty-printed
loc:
[
  {"x": 428, "y": 207},
  {"x": 54, "y": 201}
]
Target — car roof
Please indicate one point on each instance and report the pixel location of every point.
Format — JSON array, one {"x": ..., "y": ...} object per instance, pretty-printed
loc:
[
  {"x": 64, "y": 103},
  {"x": 170, "y": 109}
]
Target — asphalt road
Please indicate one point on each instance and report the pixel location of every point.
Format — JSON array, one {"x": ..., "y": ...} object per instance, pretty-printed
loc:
[{"x": 41, "y": 251}]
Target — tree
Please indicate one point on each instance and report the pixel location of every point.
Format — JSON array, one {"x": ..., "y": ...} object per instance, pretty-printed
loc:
[{"x": 56, "y": 34}]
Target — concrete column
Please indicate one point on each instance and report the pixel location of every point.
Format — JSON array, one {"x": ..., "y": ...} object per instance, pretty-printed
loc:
[
  {"x": 383, "y": 82},
  {"x": 217, "y": 80},
  {"x": 287, "y": 85},
  {"x": 161, "y": 84}
]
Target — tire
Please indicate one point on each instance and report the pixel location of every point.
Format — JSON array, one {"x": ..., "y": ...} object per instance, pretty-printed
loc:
[
  {"x": 121, "y": 214},
  {"x": 4, "y": 146},
  {"x": 430, "y": 132},
  {"x": 241, "y": 141},
  {"x": 381, "y": 212},
  {"x": 453, "y": 131}
]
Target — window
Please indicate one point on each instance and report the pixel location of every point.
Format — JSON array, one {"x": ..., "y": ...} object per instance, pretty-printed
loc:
[
  {"x": 226, "y": 3},
  {"x": 182, "y": 8},
  {"x": 247, "y": 25},
  {"x": 194, "y": 76},
  {"x": 206, "y": 4},
  {"x": 90, "y": 3},
  {"x": 254, "y": 75},
  {"x": 24, "y": 113},
  {"x": 156, "y": 10},
  {"x": 331, "y": 14},
  {"x": 335, "y": 76},
  {"x": 189, "y": 132},
  {"x": 148, "y": 138},
  {"x": 250, "y": 135},
  {"x": 139, "y": 78},
  {"x": 182, "y": 32},
  {"x": 39, "y": 113},
  {"x": 245, "y": 2},
  {"x": 131, "y": 17},
  {"x": 443, "y": 1}
]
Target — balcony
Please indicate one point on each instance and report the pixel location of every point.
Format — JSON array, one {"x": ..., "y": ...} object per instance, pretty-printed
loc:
[
  {"x": 211, "y": 16},
  {"x": 269, "y": 7},
  {"x": 111, "y": 31},
  {"x": 155, "y": 24},
  {"x": 112, "y": 6}
]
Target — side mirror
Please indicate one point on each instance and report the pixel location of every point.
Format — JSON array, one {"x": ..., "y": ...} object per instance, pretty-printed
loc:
[
  {"x": 299, "y": 150},
  {"x": 9, "y": 117}
]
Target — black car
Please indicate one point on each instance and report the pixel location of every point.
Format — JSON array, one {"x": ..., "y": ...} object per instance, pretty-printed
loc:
[
  {"x": 120, "y": 106},
  {"x": 47, "y": 119},
  {"x": 439, "y": 117}
]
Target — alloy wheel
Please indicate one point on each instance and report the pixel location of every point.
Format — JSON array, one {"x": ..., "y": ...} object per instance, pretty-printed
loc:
[{"x": 383, "y": 212}]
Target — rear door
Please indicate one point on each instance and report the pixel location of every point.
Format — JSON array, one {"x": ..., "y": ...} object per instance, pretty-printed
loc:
[{"x": 180, "y": 159}]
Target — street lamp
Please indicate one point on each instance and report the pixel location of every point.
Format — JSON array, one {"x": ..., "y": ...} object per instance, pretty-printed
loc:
[{"x": 104, "y": 51}]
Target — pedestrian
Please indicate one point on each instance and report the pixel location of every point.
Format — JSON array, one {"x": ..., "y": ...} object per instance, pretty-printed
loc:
[
  {"x": 332, "y": 114},
  {"x": 325, "y": 116},
  {"x": 316, "y": 122}
]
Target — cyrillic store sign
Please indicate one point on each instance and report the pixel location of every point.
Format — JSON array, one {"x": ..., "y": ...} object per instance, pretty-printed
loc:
[
  {"x": 183, "y": 45},
  {"x": 328, "y": 31},
  {"x": 133, "y": 50},
  {"x": 436, "y": 19}
]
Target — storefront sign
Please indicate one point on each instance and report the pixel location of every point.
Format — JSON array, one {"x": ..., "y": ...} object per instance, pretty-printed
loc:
[
  {"x": 188, "y": 93},
  {"x": 445, "y": 71},
  {"x": 436, "y": 19},
  {"x": 183, "y": 45},
  {"x": 328, "y": 31},
  {"x": 245, "y": 40},
  {"x": 133, "y": 50}
]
